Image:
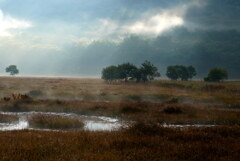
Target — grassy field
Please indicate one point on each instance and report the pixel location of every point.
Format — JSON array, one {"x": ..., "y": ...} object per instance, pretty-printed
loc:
[
  {"x": 140, "y": 143},
  {"x": 147, "y": 104},
  {"x": 173, "y": 102}
]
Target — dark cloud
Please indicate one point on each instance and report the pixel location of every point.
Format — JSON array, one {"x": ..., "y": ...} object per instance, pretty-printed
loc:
[
  {"x": 83, "y": 10},
  {"x": 47, "y": 47},
  {"x": 215, "y": 14},
  {"x": 221, "y": 13}
]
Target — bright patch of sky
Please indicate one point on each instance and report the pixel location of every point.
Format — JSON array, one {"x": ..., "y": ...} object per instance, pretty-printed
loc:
[
  {"x": 52, "y": 24},
  {"x": 8, "y": 23}
]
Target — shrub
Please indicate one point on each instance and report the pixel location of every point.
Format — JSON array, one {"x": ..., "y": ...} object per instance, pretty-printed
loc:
[
  {"x": 172, "y": 100},
  {"x": 15, "y": 107},
  {"x": 172, "y": 110},
  {"x": 134, "y": 97},
  {"x": 147, "y": 128},
  {"x": 129, "y": 109},
  {"x": 35, "y": 93}
]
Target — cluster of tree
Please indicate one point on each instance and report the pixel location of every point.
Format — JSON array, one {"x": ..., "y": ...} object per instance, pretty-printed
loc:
[
  {"x": 12, "y": 69},
  {"x": 147, "y": 71},
  {"x": 181, "y": 72}
]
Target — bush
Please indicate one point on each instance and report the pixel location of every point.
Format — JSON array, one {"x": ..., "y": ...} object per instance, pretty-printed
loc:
[
  {"x": 15, "y": 107},
  {"x": 129, "y": 109},
  {"x": 147, "y": 128},
  {"x": 172, "y": 100},
  {"x": 35, "y": 93},
  {"x": 172, "y": 110},
  {"x": 134, "y": 97}
]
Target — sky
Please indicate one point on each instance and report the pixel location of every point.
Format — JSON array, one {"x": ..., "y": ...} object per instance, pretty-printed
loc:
[
  {"x": 86, "y": 20},
  {"x": 34, "y": 29}
]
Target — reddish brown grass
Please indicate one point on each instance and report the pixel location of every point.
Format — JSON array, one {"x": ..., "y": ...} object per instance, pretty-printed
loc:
[{"x": 137, "y": 144}]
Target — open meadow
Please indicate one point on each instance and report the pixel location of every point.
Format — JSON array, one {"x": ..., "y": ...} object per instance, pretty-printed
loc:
[{"x": 158, "y": 120}]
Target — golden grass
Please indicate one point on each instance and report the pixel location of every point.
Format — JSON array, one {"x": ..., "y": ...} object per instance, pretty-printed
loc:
[
  {"x": 96, "y": 89},
  {"x": 148, "y": 104}
]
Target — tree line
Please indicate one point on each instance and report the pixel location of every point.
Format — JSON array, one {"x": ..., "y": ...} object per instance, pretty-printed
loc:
[{"x": 147, "y": 71}]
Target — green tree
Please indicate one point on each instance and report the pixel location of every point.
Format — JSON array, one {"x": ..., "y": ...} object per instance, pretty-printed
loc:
[
  {"x": 191, "y": 72},
  {"x": 180, "y": 72},
  {"x": 12, "y": 69},
  {"x": 126, "y": 70},
  {"x": 148, "y": 71},
  {"x": 172, "y": 73},
  {"x": 217, "y": 74},
  {"x": 110, "y": 73}
]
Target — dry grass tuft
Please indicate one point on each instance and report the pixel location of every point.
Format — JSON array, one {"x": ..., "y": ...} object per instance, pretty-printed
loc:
[
  {"x": 54, "y": 122},
  {"x": 8, "y": 118}
]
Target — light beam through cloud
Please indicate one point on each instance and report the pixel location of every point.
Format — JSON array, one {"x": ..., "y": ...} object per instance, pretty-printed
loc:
[{"x": 8, "y": 23}]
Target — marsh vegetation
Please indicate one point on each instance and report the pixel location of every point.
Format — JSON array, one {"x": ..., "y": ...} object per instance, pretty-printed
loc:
[{"x": 146, "y": 109}]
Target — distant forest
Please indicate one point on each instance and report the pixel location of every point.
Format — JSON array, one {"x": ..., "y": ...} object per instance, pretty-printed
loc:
[{"x": 202, "y": 49}]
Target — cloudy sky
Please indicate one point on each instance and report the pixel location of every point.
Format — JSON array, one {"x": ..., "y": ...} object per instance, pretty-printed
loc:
[
  {"x": 72, "y": 20},
  {"x": 40, "y": 27}
]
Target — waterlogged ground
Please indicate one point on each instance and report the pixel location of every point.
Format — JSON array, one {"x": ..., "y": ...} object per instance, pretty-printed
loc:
[
  {"x": 167, "y": 103},
  {"x": 91, "y": 123}
]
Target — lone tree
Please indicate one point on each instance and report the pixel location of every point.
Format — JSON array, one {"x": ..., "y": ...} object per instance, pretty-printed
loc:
[
  {"x": 181, "y": 72},
  {"x": 216, "y": 75},
  {"x": 12, "y": 69}
]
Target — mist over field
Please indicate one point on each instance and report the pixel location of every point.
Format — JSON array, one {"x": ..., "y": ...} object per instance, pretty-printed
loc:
[
  {"x": 118, "y": 80},
  {"x": 79, "y": 38}
]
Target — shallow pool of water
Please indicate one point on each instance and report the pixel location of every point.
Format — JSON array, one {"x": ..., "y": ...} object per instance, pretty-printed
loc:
[{"x": 91, "y": 123}]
